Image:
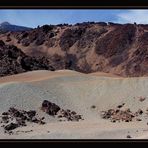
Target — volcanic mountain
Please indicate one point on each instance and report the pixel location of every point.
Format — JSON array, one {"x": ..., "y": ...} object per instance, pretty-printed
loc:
[
  {"x": 6, "y": 27},
  {"x": 120, "y": 49}
]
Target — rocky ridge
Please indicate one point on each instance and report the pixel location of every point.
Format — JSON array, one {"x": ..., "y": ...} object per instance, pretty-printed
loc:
[{"x": 119, "y": 49}]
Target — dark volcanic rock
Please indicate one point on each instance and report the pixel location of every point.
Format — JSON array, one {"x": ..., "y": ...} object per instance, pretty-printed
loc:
[
  {"x": 5, "y": 113},
  {"x": 120, "y": 106},
  {"x": 31, "y": 113},
  {"x": 141, "y": 99},
  {"x": 5, "y": 119},
  {"x": 53, "y": 109},
  {"x": 11, "y": 126},
  {"x": 50, "y": 108},
  {"x": 13, "y": 61},
  {"x": 139, "y": 112},
  {"x": 15, "y": 118},
  {"x": 69, "y": 115},
  {"x": 118, "y": 115},
  {"x": 128, "y": 136}
]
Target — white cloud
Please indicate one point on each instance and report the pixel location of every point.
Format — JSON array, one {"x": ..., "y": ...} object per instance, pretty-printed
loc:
[{"x": 131, "y": 16}]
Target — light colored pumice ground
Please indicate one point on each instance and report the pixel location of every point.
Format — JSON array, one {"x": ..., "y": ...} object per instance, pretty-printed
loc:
[{"x": 77, "y": 92}]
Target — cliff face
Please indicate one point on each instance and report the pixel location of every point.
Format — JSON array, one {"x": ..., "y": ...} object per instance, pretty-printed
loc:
[{"x": 86, "y": 47}]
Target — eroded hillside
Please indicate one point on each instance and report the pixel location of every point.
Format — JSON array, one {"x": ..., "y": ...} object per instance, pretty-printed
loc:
[{"x": 85, "y": 47}]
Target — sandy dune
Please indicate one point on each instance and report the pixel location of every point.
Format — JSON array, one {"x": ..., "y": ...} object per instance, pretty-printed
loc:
[
  {"x": 78, "y": 92},
  {"x": 103, "y": 74}
]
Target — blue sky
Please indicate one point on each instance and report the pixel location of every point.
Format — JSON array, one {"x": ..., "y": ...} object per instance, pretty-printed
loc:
[{"x": 33, "y": 18}]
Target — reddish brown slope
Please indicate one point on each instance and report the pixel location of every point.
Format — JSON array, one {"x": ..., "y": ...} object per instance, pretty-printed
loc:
[{"x": 88, "y": 47}]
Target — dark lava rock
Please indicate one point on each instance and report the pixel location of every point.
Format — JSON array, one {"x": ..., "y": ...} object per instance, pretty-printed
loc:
[
  {"x": 11, "y": 126},
  {"x": 5, "y": 119},
  {"x": 128, "y": 136},
  {"x": 5, "y": 113},
  {"x": 120, "y": 106},
  {"x": 31, "y": 113},
  {"x": 50, "y": 108},
  {"x": 21, "y": 122},
  {"x": 42, "y": 122},
  {"x": 69, "y": 115},
  {"x": 73, "y": 113},
  {"x": 138, "y": 119},
  {"x": 140, "y": 112},
  {"x": 118, "y": 115},
  {"x": 60, "y": 116},
  {"x": 35, "y": 120},
  {"x": 21, "y": 118},
  {"x": 141, "y": 99},
  {"x": 14, "y": 61},
  {"x": 53, "y": 109},
  {"x": 15, "y": 113},
  {"x": 93, "y": 106}
]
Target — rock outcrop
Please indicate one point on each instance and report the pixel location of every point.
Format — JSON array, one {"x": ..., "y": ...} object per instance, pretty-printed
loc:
[{"x": 13, "y": 61}]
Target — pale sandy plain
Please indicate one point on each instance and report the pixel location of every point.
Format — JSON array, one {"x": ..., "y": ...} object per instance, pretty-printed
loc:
[{"x": 78, "y": 92}]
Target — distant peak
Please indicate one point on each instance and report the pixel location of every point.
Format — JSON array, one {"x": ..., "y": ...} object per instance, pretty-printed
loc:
[{"x": 5, "y": 23}]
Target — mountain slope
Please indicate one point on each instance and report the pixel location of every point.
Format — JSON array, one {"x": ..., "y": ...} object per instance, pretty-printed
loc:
[{"x": 120, "y": 49}]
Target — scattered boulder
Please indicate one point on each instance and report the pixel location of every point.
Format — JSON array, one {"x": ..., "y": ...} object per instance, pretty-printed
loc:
[
  {"x": 15, "y": 118},
  {"x": 31, "y": 113},
  {"x": 120, "y": 106},
  {"x": 60, "y": 116},
  {"x": 5, "y": 113},
  {"x": 73, "y": 112},
  {"x": 53, "y": 109},
  {"x": 93, "y": 106},
  {"x": 69, "y": 115},
  {"x": 5, "y": 119},
  {"x": 11, "y": 126},
  {"x": 118, "y": 115},
  {"x": 138, "y": 119},
  {"x": 50, "y": 108},
  {"x": 139, "y": 112},
  {"x": 128, "y": 136},
  {"x": 141, "y": 99}
]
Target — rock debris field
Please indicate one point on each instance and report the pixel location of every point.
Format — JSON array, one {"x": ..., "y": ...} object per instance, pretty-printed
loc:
[
  {"x": 122, "y": 115},
  {"x": 15, "y": 118}
]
